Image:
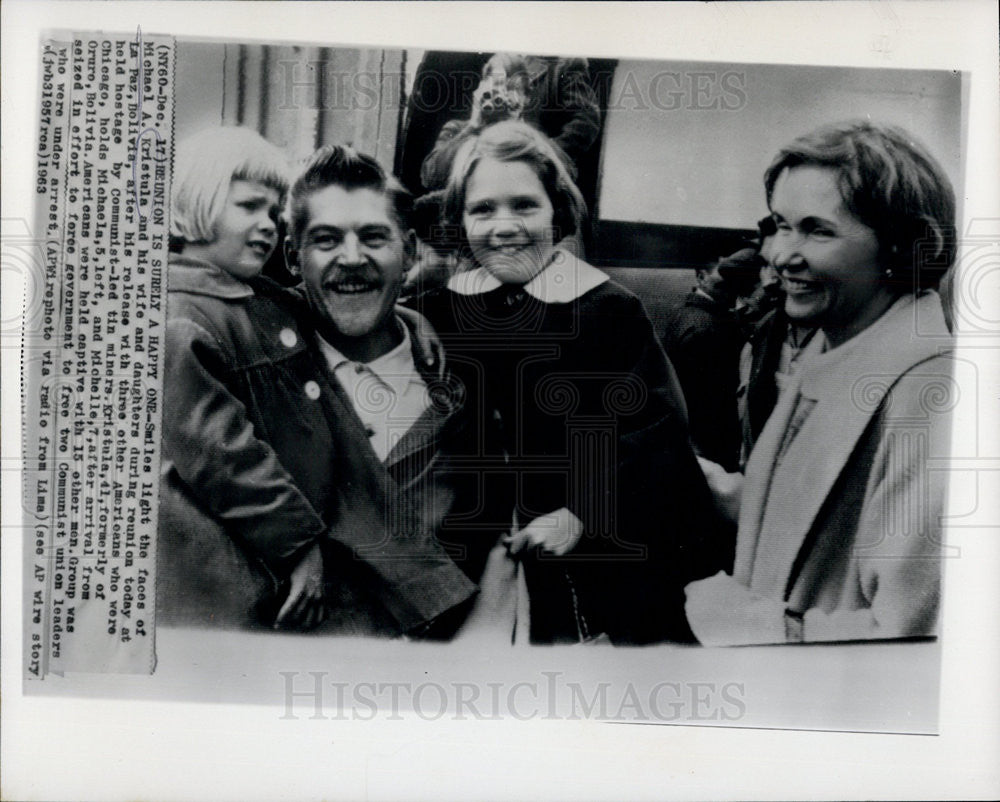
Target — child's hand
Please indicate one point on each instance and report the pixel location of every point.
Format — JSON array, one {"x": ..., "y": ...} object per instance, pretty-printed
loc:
[
  {"x": 556, "y": 533},
  {"x": 304, "y": 606}
]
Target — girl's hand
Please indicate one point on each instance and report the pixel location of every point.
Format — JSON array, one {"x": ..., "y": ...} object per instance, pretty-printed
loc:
[
  {"x": 556, "y": 533},
  {"x": 304, "y": 607}
]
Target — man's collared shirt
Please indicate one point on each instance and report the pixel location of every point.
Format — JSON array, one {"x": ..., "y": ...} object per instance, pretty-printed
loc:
[{"x": 388, "y": 394}]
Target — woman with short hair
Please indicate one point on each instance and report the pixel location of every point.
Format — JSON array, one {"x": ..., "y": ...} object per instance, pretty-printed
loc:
[{"x": 840, "y": 519}]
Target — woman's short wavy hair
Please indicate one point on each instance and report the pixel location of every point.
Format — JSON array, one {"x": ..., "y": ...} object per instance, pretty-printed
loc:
[
  {"x": 205, "y": 164},
  {"x": 513, "y": 141},
  {"x": 890, "y": 183}
]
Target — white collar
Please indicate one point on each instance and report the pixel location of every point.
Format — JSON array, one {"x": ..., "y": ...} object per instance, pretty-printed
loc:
[
  {"x": 395, "y": 368},
  {"x": 564, "y": 279}
]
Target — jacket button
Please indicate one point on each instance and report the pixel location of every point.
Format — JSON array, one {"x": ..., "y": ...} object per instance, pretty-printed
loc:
[
  {"x": 288, "y": 338},
  {"x": 312, "y": 390}
]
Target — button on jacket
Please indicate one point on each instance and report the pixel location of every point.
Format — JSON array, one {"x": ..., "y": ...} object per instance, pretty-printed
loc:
[{"x": 263, "y": 456}]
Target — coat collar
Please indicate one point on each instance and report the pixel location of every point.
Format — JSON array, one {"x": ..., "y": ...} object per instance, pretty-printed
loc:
[
  {"x": 847, "y": 385},
  {"x": 446, "y": 399},
  {"x": 702, "y": 300},
  {"x": 563, "y": 280},
  {"x": 914, "y": 327},
  {"x": 204, "y": 278}
]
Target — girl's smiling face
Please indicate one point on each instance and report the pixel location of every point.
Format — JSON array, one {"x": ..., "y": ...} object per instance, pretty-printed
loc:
[
  {"x": 829, "y": 261},
  {"x": 507, "y": 218}
]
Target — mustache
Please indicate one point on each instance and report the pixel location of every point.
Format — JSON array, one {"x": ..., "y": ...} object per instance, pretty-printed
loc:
[{"x": 338, "y": 274}]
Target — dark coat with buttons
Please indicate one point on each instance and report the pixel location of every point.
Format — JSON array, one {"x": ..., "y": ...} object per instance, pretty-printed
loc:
[
  {"x": 264, "y": 456},
  {"x": 592, "y": 422}
]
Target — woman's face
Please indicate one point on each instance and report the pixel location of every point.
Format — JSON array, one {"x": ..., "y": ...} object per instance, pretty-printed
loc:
[
  {"x": 507, "y": 219},
  {"x": 828, "y": 259}
]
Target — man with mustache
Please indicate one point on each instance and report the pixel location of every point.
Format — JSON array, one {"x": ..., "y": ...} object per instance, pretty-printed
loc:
[
  {"x": 401, "y": 416},
  {"x": 340, "y": 438}
]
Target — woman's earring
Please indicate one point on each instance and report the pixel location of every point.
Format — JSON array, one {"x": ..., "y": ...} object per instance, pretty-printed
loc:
[{"x": 888, "y": 272}]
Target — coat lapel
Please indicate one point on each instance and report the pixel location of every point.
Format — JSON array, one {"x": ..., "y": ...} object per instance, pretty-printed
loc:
[
  {"x": 406, "y": 460},
  {"x": 847, "y": 385},
  {"x": 759, "y": 473},
  {"x": 426, "y": 430},
  {"x": 804, "y": 480},
  {"x": 699, "y": 301}
]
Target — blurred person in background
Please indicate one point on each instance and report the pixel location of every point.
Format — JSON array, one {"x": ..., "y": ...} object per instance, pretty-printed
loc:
[{"x": 703, "y": 341}]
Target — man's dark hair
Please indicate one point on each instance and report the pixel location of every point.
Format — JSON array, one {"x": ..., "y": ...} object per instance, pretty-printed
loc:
[{"x": 343, "y": 166}]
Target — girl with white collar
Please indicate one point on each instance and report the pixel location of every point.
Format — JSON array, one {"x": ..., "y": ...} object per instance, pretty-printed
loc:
[{"x": 611, "y": 512}]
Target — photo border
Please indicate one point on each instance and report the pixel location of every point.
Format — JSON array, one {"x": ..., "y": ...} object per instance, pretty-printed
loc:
[{"x": 154, "y": 744}]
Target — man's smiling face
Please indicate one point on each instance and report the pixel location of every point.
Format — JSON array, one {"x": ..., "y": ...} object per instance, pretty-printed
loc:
[{"x": 354, "y": 258}]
